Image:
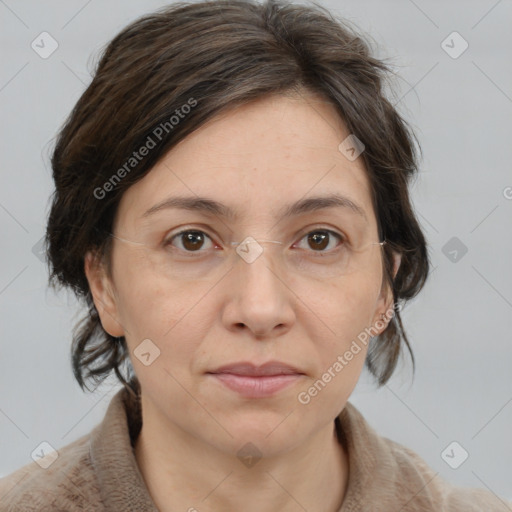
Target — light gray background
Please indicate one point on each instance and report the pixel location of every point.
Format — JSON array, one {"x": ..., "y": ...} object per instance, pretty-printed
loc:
[{"x": 459, "y": 326}]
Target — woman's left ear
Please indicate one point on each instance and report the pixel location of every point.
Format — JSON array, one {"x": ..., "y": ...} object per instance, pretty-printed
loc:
[
  {"x": 397, "y": 259},
  {"x": 385, "y": 309}
]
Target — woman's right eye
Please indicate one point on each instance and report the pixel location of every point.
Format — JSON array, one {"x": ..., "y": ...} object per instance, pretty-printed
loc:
[{"x": 191, "y": 240}]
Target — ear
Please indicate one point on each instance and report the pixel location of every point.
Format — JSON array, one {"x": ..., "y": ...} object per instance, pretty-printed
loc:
[
  {"x": 103, "y": 295},
  {"x": 385, "y": 310}
]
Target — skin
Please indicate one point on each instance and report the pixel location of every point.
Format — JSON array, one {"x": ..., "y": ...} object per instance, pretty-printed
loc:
[{"x": 256, "y": 159}]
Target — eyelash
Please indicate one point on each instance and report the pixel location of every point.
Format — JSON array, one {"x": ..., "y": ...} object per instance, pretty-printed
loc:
[{"x": 321, "y": 253}]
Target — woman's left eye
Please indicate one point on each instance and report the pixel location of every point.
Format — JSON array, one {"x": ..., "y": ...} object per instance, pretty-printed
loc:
[{"x": 319, "y": 239}]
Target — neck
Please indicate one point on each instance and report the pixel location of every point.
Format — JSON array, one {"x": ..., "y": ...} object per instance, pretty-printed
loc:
[{"x": 183, "y": 473}]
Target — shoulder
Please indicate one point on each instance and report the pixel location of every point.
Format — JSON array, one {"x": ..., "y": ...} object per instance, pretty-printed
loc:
[
  {"x": 385, "y": 475},
  {"x": 428, "y": 487},
  {"x": 63, "y": 480}
]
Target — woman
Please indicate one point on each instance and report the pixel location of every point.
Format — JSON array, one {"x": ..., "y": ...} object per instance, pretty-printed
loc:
[{"x": 232, "y": 204}]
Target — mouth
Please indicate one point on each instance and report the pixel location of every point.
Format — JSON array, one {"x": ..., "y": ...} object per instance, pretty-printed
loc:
[{"x": 253, "y": 381}]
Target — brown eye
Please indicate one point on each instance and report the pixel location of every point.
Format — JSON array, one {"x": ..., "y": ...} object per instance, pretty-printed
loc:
[
  {"x": 319, "y": 240},
  {"x": 191, "y": 240}
]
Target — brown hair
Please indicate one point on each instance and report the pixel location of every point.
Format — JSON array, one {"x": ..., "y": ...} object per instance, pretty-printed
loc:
[{"x": 214, "y": 56}]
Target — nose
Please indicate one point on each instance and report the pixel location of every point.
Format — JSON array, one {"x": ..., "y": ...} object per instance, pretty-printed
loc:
[{"x": 258, "y": 297}]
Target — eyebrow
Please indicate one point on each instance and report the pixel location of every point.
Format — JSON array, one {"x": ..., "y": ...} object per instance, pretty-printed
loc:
[{"x": 207, "y": 205}]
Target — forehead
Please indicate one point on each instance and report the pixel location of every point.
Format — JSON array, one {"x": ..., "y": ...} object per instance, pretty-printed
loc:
[{"x": 257, "y": 158}]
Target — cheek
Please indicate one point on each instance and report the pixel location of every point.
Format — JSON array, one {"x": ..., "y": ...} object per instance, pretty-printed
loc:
[
  {"x": 345, "y": 306},
  {"x": 339, "y": 342},
  {"x": 166, "y": 314},
  {"x": 342, "y": 313},
  {"x": 149, "y": 305}
]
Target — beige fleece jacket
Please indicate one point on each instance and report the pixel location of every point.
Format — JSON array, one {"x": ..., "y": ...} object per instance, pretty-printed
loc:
[{"x": 98, "y": 472}]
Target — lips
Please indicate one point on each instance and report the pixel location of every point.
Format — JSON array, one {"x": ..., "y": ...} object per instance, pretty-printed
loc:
[
  {"x": 252, "y": 381},
  {"x": 264, "y": 370}
]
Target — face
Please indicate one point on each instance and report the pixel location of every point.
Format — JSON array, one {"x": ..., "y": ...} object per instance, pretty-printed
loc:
[{"x": 203, "y": 306}]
